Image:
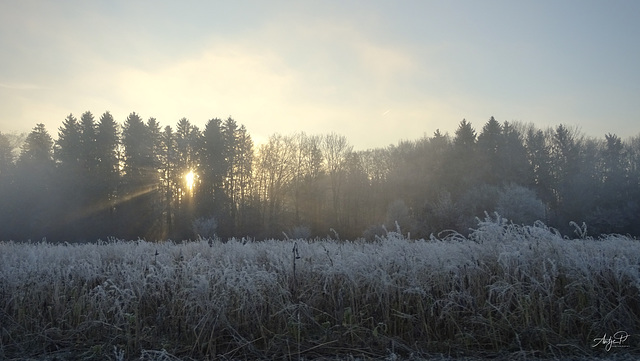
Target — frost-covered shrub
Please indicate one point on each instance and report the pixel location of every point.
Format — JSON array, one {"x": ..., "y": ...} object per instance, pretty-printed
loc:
[
  {"x": 519, "y": 204},
  {"x": 474, "y": 203},
  {"x": 205, "y": 227},
  {"x": 441, "y": 214},
  {"x": 514, "y": 202}
]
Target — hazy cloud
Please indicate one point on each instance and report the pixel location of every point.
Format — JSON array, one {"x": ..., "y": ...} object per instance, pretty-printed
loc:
[{"x": 332, "y": 66}]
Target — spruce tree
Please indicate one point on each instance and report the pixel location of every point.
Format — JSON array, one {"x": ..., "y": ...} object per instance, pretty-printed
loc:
[
  {"x": 170, "y": 179},
  {"x": 490, "y": 145},
  {"x": 213, "y": 168},
  {"x": 107, "y": 172},
  {"x": 139, "y": 182},
  {"x": 68, "y": 145},
  {"x": 88, "y": 152},
  {"x": 462, "y": 170},
  {"x": 38, "y": 147},
  {"x": 36, "y": 216},
  {"x": 513, "y": 164}
]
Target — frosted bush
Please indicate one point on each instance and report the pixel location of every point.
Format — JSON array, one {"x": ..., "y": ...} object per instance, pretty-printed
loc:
[
  {"x": 519, "y": 204},
  {"x": 473, "y": 203},
  {"x": 443, "y": 213}
]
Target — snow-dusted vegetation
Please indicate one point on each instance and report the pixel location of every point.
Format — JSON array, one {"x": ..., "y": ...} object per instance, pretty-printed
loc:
[{"x": 505, "y": 288}]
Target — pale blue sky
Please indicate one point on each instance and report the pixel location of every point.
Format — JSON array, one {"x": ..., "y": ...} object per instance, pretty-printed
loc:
[{"x": 374, "y": 71}]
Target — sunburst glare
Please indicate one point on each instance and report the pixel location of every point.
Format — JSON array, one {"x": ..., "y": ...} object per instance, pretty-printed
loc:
[{"x": 190, "y": 179}]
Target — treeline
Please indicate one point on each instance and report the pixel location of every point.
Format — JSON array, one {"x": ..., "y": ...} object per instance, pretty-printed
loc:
[{"x": 139, "y": 180}]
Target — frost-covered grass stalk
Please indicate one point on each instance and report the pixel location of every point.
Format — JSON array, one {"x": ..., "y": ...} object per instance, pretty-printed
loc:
[{"x": 505, "y": 288}]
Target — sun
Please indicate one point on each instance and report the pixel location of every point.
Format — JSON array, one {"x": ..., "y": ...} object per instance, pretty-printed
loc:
[{"x": 190, "y": 179}]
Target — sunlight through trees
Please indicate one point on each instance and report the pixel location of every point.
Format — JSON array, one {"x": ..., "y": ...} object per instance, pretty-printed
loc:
[{"x": 140, "y": 180}]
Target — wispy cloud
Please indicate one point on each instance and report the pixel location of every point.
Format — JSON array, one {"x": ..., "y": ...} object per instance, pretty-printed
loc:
[{"x": 21, "y": 86}]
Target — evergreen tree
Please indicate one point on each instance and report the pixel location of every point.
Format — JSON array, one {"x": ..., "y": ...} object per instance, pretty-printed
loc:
[
  {"x": 569, "y": 178},
  {"x": 88, "y": 220},
  {"x": 243, "y": 178},
  {"x": 187, "y": 141},
  {"x": 230, "y": 135},
  {"x": 8, "y": 191},
  {"x": 538, "y": 154},
  {"x": 187, "y": 149},
  {"x": 437, "y": 151},
  {"x": 513, "y": 162},
  {"x": 88, "y": 150},
  {"x": 154, "y": 134},
  {"x": 107, "y": 172},
  {"x": 138, "y": 152},
  {"x": 108, "y": 154},
  {"x": 6, "y": 157},
  {"x": 155, "y": 205},
  {"x": 69, "y": 180},
  {"x": 35, "y": 215},
  {"x": 140, "y": 180},
  {"x": 613, "y": 173},
  {"x": 465, "y": 137},
  {"x": 170, "y": 179},
  {"x": 214, "y": 167},
  {"x": 490, "y": 147},
  {"x": 38, "y": 148},
  {"x": 462, "y": 168},
  {"x": 68, "y": 145}
]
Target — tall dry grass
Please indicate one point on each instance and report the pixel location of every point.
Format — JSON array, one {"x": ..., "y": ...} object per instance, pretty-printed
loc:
[{"x": 506, "y": 288}]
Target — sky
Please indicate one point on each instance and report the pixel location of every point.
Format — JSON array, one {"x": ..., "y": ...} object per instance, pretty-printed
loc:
[{"x": 376, "y": 72}]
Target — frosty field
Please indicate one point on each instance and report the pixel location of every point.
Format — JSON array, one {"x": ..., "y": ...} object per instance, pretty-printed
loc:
[{"x": 506, "y": 289}]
